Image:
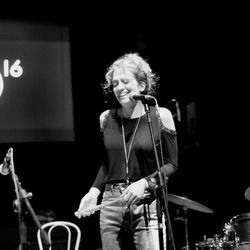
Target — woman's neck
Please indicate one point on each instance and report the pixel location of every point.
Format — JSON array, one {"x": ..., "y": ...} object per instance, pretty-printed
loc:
[{"x": 134, "y": 111}]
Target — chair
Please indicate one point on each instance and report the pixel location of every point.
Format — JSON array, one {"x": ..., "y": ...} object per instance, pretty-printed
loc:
[{"x": 68, "y": 227}]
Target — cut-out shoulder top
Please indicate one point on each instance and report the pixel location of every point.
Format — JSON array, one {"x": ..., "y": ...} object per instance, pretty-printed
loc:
[{"x": 142, "y": 162}]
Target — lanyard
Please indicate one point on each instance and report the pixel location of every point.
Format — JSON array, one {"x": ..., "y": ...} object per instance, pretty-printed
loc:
[{"x": 127, "y": 154}]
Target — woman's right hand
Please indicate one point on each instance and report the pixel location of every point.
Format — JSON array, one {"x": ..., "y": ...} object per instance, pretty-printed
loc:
[{"x": 88, "y": 202}]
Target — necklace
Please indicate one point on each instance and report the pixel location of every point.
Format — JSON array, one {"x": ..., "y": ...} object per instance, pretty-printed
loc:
[{"x": 127, "y": 154}]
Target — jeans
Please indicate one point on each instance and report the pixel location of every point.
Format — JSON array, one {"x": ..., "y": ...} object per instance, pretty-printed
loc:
[{"x": 126, "y": 227}]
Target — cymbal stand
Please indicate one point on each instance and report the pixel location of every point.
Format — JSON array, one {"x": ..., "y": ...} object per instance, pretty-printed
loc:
[{"x": 186, "y": 227}]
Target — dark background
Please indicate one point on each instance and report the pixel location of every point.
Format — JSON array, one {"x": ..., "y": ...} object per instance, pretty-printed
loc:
[{"x": 202, "y": 63}]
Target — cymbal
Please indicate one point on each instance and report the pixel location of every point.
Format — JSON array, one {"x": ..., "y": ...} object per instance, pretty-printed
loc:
[
  {"x": 185, "y": 202},
  {"x": 247, "y": 193}
]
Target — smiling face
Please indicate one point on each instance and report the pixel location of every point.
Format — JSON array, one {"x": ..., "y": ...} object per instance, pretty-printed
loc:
[{"x": 124, "y": 84}]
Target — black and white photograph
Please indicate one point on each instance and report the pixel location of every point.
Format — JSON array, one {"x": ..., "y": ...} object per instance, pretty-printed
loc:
[{"x": 124, "y": 135}]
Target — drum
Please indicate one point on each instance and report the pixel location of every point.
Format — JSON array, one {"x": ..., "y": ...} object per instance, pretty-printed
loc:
[
  {"x": 241, "y": 225},
  {"x": 206, "y": 244},
  {"x": 215, "y": 243}
]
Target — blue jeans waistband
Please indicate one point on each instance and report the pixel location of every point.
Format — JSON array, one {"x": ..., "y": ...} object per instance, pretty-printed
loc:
[{"x": 116, "y": 186}]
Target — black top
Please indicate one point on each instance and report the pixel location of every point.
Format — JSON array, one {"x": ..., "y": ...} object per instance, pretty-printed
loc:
[{"x": 142, "y": 161}]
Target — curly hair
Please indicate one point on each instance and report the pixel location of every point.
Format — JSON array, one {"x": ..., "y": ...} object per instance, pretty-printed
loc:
[{"x": 139, "y": 67}]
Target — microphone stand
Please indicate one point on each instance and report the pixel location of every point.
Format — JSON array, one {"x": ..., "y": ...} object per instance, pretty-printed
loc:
[
  {"x": 22, "y": 202},
  {"x": 162, "y": 191}
]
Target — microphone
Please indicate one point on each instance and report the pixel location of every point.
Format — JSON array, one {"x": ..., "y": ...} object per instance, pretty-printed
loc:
[
  {"x": 143, "y": 98},
  {"x": 178, "y": 112},
  {"x": 4, "y": 167}
]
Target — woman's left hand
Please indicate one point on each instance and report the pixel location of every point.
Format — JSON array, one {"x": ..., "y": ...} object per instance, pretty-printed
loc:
[{"x": 134, "y": 192}]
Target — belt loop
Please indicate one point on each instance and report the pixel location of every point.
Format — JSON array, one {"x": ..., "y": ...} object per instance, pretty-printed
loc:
[{"x": 112, "y": 188}]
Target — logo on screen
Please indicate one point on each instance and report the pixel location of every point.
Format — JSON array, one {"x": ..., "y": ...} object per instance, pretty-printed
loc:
[{"x": 15, "y": 70}]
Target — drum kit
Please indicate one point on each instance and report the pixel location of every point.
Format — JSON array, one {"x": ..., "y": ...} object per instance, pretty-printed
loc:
[{"x": 236, "y": 231}]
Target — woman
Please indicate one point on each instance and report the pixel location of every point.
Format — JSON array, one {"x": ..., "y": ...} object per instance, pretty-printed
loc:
[{"x": 129, "y": 171}]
